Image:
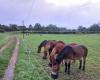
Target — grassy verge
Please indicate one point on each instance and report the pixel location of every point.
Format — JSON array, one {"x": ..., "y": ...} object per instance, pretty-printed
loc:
[
  {"x": 3, "y": 39},
  {"x": 4, "y": 59},
  {"x": 28, "y": 66}
]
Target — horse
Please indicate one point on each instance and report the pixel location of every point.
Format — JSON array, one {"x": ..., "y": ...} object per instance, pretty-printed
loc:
[
  {"x": 42, "y": 44},
  {"x": 69, "y": 53},
  {"x": 48, "y": 48},
  {"x": 58, "y": 47},
  {"x": 47, "y": 45}
]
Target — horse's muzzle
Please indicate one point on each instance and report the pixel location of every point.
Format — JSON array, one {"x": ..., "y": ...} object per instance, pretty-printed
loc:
[{"x": 54, "y": 76}]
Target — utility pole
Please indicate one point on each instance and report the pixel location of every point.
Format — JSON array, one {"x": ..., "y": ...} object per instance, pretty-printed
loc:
[{"x": 23, "y": 28}]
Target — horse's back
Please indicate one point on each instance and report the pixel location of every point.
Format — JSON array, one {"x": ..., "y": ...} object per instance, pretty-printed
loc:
[
  {"x": 58, "y": 47},
  {"x": 80, "y": 50},
  {"x": 60, "y": 42}
]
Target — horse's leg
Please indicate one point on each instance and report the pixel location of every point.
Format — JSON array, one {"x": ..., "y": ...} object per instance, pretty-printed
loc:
[
  {"x": 84, "y": 64},
  {"x": 69, "y": 67},
  {"x": 80, "y": 65},
  {"x": 66, "y": 66},
  {"x": 50, "y": 61}
]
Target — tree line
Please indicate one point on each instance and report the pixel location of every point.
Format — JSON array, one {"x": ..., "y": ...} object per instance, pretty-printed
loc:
[{"x": 95, "y": 28}]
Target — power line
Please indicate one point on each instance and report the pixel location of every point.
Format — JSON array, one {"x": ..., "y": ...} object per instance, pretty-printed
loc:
[
  {"x": 28, "y": 15},
  {"x": 30, "y": 10}
]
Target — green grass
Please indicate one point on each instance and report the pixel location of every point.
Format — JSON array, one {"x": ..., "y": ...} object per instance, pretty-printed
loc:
[
  {"x": 4, "y": 59},
  {"x": 34, "y": 69},
  {"x": 3, "y": 38}
]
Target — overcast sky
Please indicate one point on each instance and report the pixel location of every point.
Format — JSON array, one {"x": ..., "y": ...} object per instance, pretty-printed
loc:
[{"x": 64, "y": 13}]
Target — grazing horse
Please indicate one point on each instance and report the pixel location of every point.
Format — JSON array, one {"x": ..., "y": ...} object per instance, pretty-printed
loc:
[
  {"x": 69, "y": 53},
  {"x": 42, "y": 44},
  {"x": 47, "y": 45},
  {"x": 48, "y": 48},
  {"x": 58, "y": 47}
]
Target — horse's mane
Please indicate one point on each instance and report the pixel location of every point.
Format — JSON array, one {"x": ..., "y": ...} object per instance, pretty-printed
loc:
[
  {"x": 60, "y": 42},
  {"x": 53, "y": 42},
  {"x": 43, "y": 43},
  {"x": 64, "y": 53}
]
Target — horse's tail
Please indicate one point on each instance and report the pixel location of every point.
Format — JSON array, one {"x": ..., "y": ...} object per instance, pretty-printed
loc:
[
  {"x": 85, "y": 55},
  {"x": 85, "y": 50}
]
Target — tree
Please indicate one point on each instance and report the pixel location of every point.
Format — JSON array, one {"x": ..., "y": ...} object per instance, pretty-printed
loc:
[
  {"x": 52, "y": 28},
  {"x": 94, "y": 27},
  {"x": 82, "y": 29},
  {"x": 30, "y": 27},
  {"x": 13, "y": 27},
  {"x": 1, "y": 28},
  {"x": 37, "y": 27},
  {"x": 62, "y": 29}
]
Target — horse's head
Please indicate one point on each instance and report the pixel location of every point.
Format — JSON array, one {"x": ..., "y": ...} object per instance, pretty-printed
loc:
[
  {"x": 43, "y": 43},
  {"x": 55, "y": 69},
  {"x": 50, "y": 45}
]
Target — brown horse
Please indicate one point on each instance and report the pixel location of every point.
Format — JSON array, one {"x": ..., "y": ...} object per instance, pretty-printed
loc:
[
  {"x": 42, "y": 44},
  {"x": 69, "y": 53},
  {"x": 49, "y": 47},
  {"x": 58, "y": 47},
  {"x": 46, "y": 44}
]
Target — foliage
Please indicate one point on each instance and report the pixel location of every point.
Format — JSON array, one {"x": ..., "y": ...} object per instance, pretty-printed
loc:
[{"x": 49, "y": 28}]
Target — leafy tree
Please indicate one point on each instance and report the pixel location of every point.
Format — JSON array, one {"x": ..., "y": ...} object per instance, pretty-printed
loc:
[
  {"x": 94, "y": 27},
  {"x": 37, "y": 27},
  {"x": 13, "y": 27},
  {"x": 82, "y": 29},
  {"x": 52, "y": 28}
]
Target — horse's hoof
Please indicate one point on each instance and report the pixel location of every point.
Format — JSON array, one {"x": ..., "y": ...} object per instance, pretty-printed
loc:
[
  {"x": 44, "y": 58},
  {"x": 50, "y": 65}
]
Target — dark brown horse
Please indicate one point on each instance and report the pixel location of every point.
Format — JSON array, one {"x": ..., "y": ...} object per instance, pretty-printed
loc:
[
  {"x": 42, "y": 44},
  {"x": 58, "y": 47},
  {"x": 48, "y": 48},
  {"x": 47, "y": 45},
  {"x": 69, "y": 53}
]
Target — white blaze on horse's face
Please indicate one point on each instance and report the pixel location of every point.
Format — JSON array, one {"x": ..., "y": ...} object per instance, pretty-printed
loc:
[
  {"x": 54, "y": 73},
  {"x": 55, "y": 69}
]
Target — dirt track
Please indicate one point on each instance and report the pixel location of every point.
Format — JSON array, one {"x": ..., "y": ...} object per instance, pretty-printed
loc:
[
  {"x": 9, "y": 72},
  {"x": 9, "y": 42}
]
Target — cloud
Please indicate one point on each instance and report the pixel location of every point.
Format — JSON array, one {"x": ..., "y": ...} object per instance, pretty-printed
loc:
[
  {"x": 65, "y": 13},
  {"x": 66, "y": 3}
]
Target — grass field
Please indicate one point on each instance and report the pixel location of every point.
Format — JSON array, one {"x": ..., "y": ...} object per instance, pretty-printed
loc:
[
  {"x": 30, "y": 65},
  {"x": 3, "y": 39}
]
